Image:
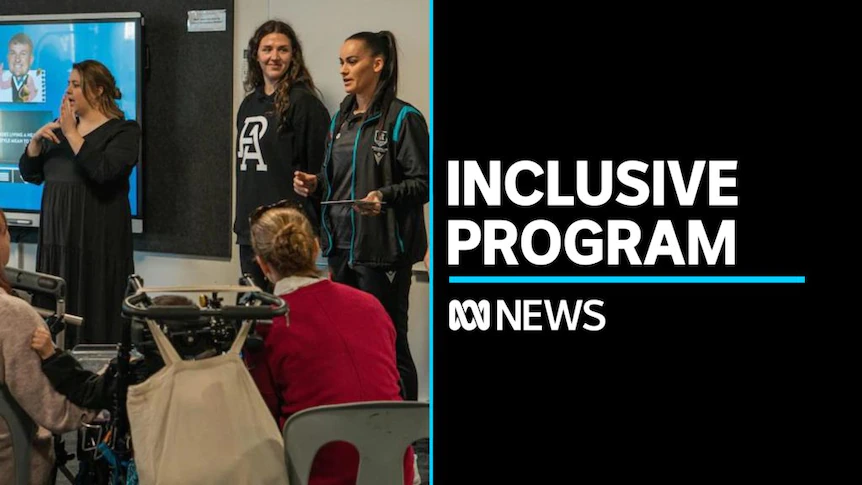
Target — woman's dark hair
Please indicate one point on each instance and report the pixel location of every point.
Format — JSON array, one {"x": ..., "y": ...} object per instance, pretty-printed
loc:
[
  {"x": 172, "y": 300},
  {"x": 4, "y": 228},
  {"x": 95, "y": 75},
  {"x": 297, "y": 72},
  {"x": 382, "y": 44}
]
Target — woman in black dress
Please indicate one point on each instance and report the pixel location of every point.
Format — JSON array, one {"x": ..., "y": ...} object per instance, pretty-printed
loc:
[{"x": 85, "y": 158}]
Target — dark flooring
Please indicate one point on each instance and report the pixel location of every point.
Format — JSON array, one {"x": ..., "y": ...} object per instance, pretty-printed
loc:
[
  {"x": 420, "y": 447},
  {"x": 70, "y": 442},
  {"x": 94, "y": 358}
]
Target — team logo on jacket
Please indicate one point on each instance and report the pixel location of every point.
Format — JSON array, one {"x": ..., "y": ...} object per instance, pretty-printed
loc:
[
  {"x": 249, "y": 143},
  {"x": 381, "y": 145}
]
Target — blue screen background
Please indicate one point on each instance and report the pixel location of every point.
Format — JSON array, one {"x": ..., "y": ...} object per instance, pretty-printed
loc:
[{"x": 56, "y": 46}]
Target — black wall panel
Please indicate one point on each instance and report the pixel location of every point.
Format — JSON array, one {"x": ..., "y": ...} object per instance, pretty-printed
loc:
[{"x": 187, "y": 119}]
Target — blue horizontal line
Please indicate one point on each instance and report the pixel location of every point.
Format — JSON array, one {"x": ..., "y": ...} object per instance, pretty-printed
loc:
[{"x": 627, "y": 279}]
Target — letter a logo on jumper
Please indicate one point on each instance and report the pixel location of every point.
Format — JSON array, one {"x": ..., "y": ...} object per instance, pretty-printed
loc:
[{"x": 249, "y": 143}]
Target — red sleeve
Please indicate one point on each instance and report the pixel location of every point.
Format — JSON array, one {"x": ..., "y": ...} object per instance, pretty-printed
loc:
[{"x": 258, "y": 367}]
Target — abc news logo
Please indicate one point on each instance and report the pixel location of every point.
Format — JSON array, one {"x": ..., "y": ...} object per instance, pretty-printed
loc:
[{"x": 526, "y": 315}]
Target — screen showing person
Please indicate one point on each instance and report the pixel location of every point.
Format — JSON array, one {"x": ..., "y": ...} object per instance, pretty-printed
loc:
[
  {"x": 36, "y": 57},
  {"x": 18, "y": 82}
]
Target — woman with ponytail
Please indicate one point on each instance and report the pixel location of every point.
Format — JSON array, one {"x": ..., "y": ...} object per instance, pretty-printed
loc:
[
  {"x": 336, "y": 345},
  {"x": 84, "y": 158},
  {"x": 281, "y": 128},
  {"x": 377, "y": 152}
]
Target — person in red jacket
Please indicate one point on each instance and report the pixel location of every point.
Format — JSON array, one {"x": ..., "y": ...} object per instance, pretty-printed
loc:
[{"x": 337, "y": 347}]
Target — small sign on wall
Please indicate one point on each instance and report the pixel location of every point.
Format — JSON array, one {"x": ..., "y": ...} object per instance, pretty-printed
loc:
[
  {"x": 207, "y": 20},
  {"x": 245, "y": 64}
]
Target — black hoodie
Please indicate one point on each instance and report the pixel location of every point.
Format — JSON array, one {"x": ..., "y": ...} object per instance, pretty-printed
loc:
[{"x": 267, "y": 155}]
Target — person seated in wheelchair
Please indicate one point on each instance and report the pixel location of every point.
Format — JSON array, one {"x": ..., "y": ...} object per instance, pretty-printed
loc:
[
  {"x": 20, "y": 374},
  {"x": 98, "y": 390},
  {"x": 337, "y": 347}
]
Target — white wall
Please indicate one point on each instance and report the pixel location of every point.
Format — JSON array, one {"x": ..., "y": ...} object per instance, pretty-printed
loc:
[{"x": 322, "y": 26}]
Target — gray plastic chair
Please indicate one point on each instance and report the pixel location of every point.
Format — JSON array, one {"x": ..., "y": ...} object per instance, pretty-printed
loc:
[
  {"x": 380, "y": 430},
  {"x": 22, "y": 429}
]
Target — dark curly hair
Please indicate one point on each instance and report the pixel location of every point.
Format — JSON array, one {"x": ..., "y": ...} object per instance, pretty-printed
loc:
[{"x": 297, "y": 72}]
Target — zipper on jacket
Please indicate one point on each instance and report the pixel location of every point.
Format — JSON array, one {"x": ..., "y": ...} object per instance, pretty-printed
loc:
[
  {"x": 328, "y": 185},
  {"x": 353, "y": 187}
]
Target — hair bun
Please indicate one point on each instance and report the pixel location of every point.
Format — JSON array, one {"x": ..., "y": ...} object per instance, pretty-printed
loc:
[
  {"x": 283, "y": 237},
  {"x": 293, "y": 246}
]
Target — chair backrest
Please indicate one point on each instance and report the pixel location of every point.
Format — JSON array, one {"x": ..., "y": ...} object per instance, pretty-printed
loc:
[
  {"x": 22, "y": 428},
  {"x": 380, "y": 430}
]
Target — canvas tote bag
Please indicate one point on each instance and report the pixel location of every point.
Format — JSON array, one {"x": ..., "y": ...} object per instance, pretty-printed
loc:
[{"x": 203, "y": 422}]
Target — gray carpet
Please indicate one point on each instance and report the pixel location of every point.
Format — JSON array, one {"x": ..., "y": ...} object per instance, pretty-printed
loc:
[{"x": 71, "y": 440}]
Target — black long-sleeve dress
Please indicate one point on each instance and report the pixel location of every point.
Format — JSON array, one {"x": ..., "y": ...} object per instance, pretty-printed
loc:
[{"x": 85, "y": 233}]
